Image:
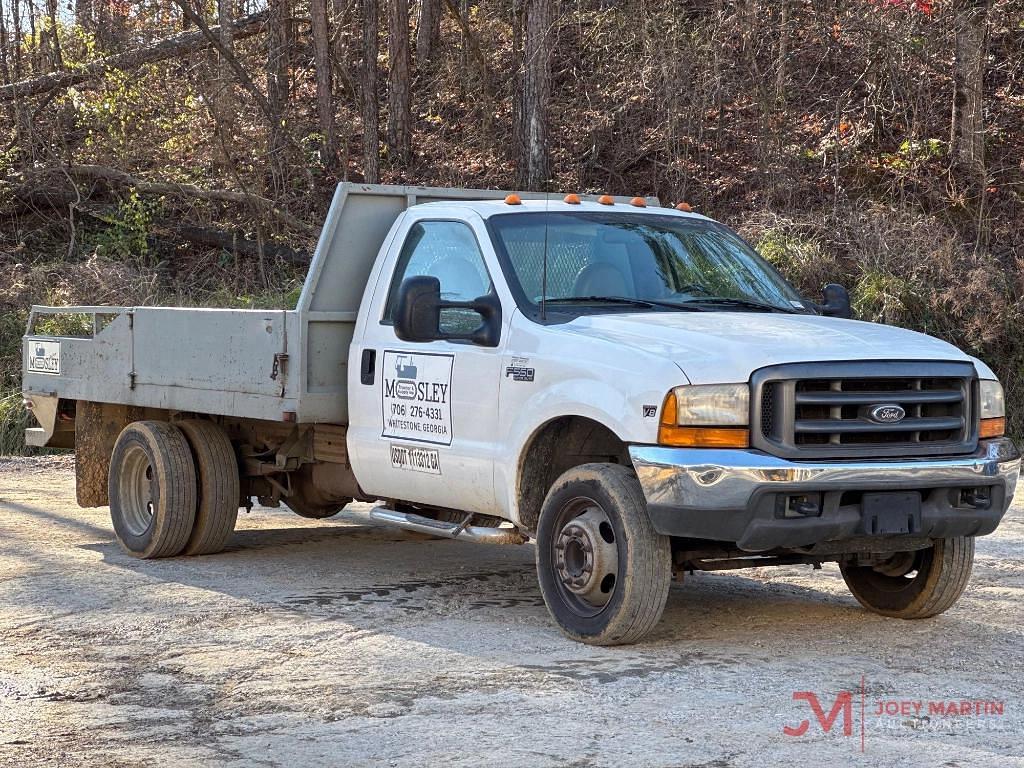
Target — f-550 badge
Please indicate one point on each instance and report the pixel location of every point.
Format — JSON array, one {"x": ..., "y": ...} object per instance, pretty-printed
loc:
[{"x": 519, "y": 370}]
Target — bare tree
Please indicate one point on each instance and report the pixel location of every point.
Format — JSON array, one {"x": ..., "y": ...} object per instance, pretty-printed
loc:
[
  {"x": 967, "y": 130},
  {"x": 782, "y": 53},
  {"x": 84, "y": 10},
  {"x": 324, "y": 81},
  {"x": 371, "y": 107},
  {"x": 399, "y": 117},
  {"x": 5, "y": 70},
  {"x": 277, "y": 86},
  {"x": 428, "y": 30},
  {"x": 538, "y": 47},
  {"x": 225, "y": 17},
  {"x": 57, "y": 58},
  {"x": 177, "y": 46}
]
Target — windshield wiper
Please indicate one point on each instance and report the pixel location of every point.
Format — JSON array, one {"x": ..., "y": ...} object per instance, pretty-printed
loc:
[
  {"x": 734, "y": 302},
  {"x": 645, "y": 303}
]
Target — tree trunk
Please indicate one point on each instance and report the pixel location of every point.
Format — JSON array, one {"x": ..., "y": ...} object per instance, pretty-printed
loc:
[
  {"x": 783, "y": 52},
  {"x": 324, "y": 82},
  {"x": 538, "y": 46},
  {"x": 84, "y": 14},
  {"x": 967, "y": 131},
  {"x": 5, "y": 69},
  {"x": 225, "y": 15},
  {"x": 371, "y": 108},
  {"x": 57, "y": 57},
  {"x": 16, "y": 36},
  {"x": 399, "y": 118},
  {"x": 277, "y": 89},
  {"x": 428, "y": 31},
  {"x": 224, "y": 107}
]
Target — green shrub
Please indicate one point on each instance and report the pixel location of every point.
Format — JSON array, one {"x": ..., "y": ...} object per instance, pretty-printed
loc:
[
  {"x": 14, "y": 419},
  {"x": 126, "y": 235}
]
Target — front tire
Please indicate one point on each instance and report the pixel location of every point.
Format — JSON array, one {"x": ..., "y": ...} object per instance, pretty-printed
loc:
[
  {"x": 604, "y": 571},
  {"x": 914, "y": 585},
  {"x": 152, "y": 486}
]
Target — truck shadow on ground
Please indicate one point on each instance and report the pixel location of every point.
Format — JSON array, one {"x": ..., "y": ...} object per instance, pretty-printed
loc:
[{"x": 382, "y": 580}]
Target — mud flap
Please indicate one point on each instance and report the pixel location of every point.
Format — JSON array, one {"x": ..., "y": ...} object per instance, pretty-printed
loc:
[{"x": 97, "y": 426}]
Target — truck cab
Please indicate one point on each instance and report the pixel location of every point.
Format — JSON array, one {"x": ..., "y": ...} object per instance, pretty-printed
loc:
[{"x": 631, "y": 387}]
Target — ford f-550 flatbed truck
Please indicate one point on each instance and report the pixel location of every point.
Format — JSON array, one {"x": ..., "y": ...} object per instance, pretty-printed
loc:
[{"x": 630, "y": 386}]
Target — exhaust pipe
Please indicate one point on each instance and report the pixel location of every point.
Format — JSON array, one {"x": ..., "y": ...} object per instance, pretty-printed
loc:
[{"x": 461, "y": 531}]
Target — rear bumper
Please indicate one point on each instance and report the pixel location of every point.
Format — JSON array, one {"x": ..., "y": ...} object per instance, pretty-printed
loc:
[{"x": 746, "y": 496}]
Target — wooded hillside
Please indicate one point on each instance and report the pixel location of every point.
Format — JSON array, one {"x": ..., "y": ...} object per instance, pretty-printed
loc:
[{"x": 174, "y": 151}]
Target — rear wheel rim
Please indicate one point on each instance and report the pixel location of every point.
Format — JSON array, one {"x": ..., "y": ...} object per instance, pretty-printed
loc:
[
  {"x": 898, "y": 579},
  {"x": 137, "y": 486},
  {"x": 585, "y": 557}
]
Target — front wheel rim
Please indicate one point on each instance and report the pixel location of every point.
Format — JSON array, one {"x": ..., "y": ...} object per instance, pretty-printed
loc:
[{"x": 585, "y": 557}]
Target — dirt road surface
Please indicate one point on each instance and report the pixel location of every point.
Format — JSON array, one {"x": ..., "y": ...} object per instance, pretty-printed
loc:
[{"x": 340, "y": 643}]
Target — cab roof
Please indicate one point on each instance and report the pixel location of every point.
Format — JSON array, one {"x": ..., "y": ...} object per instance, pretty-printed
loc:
[{"x": 487, "y": 208}]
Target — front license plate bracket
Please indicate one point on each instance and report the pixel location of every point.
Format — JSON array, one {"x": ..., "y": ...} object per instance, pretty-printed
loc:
[{"x": 894, "y": 513}]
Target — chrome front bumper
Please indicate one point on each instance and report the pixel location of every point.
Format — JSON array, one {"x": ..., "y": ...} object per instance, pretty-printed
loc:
[{"x": 720, "y": 494}]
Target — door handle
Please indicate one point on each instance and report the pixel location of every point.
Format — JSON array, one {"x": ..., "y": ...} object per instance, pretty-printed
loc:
[{"x": 367, "y": 366}]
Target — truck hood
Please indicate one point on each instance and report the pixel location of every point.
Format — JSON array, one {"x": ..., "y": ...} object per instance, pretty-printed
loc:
[{"x": 723, "y": 347}]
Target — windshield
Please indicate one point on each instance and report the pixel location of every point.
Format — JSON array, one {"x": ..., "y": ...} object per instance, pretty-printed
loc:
[{"x": 652, "y": 261}]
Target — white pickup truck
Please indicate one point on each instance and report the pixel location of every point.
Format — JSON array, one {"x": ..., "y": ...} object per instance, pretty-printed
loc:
[{"x": 629, "y": 386}]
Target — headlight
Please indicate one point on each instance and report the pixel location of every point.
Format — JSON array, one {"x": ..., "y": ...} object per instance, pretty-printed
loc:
[
  {"x": 993, "y": 409},
  {"x": 707, "y": 416}
]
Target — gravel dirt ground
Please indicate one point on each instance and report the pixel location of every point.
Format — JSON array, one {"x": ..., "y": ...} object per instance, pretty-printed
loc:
[{"x": 341, "y": 643}]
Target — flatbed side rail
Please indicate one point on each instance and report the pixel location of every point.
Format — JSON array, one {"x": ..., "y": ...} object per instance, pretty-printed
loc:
[{"x": 97, "y": 313}]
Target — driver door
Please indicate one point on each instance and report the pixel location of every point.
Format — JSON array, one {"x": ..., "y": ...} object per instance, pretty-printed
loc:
[{"x": 424, "y": 424}]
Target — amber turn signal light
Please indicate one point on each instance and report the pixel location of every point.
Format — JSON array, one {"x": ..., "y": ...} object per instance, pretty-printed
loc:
[
  {"x": 992, "y": 427},
  {"x": 703, "y": 437}
]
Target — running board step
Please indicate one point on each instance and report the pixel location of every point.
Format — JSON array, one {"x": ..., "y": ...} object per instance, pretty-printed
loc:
[{"x": 481, "y": 534}]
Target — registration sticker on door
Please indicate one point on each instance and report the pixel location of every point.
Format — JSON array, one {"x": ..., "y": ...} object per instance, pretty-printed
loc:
[
  {"x": 415, "y": 459},
  {"x": 416, "y": 391}
]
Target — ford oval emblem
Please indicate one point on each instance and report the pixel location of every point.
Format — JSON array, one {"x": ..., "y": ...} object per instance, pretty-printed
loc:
[{"x": 887, "y": 413}]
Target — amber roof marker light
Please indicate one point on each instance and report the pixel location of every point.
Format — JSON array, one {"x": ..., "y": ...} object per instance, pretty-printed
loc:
[
  {"x": 571, "y": 199},
  {"x": 639, "y": 202},
  {"x": 684, "y": 207},
  {"x": 606, "y": 200},
  {"x": 513, "y": 200}
]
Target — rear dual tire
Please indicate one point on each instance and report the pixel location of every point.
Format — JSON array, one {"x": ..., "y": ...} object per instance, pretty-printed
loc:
[
  {"x": 174, "y": 488},
  {"x": 218, "y": 486},
  {"x": 152, "y": 486}
]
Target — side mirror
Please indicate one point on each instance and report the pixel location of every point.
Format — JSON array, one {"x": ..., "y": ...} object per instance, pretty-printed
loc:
[
  {"x": 836, "y": 302},
  {"x": 418, "y": 313}
]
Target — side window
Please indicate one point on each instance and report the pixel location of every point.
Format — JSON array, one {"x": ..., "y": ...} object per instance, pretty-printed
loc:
[{"x": 447, "y": 250}]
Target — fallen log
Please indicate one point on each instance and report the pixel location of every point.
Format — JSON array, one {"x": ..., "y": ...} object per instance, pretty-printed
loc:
[
  {"x": 55, "y": 180},
  {"x": 171, "y": 47},
  {"x": 232, "y": 242}
]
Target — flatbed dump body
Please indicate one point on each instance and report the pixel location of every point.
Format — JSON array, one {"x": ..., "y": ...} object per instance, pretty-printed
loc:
[{"x": 271, "y": 365}]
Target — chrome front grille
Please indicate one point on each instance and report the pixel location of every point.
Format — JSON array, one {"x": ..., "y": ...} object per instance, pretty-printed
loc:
[{"x": 825, "y": 410}]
